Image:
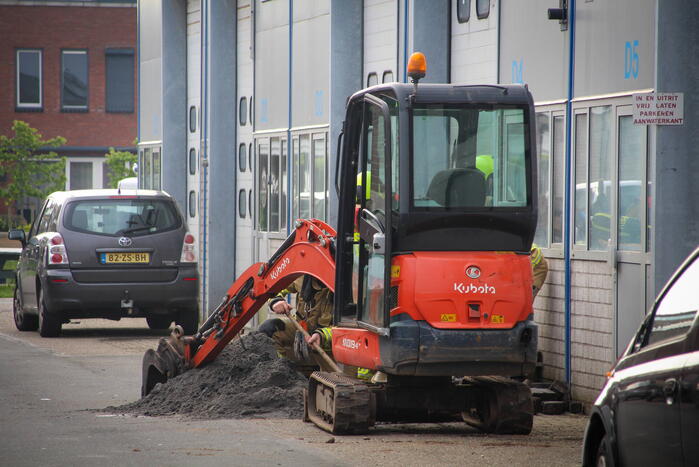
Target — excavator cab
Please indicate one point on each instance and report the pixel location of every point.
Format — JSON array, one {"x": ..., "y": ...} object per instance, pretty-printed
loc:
[{"x": 437, "y": 281}]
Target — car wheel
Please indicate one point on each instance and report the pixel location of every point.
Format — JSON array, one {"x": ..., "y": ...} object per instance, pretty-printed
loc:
[
  {"x": 23, "y": 321},
  {"x": 49, "y": 323},
  {"x": 159, "y": 321},
  {"x": 189, "y": 320},
  {"x": 603, "y": 458}
]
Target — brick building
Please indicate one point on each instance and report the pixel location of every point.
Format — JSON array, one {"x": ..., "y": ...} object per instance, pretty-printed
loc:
[{"x": 68, "y": 69}]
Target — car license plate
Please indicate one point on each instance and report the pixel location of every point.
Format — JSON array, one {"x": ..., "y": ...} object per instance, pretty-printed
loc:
[{"x": 125, "y": 258}]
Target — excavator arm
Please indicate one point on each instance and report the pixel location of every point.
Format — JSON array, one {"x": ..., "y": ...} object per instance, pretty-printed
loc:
[{"x": 309, "y": 249}]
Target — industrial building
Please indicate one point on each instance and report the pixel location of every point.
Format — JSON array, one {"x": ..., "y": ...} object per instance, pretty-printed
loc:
[{"x": 241, "y": 105}]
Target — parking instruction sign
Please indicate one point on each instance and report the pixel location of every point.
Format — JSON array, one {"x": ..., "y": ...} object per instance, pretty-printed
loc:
[{"x": 661, "y": 108}]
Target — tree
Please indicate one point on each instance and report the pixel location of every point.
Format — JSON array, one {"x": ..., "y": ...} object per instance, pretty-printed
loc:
[
  {"x": 27, "y": 166},
  {"x": 120, "y": 165}
]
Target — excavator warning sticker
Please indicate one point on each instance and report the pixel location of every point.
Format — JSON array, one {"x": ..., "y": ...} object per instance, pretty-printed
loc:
[
  {"x": 395, "y": 272},
  {"x": 448, "y": 317},
  {"x": 497, "y": 319}
]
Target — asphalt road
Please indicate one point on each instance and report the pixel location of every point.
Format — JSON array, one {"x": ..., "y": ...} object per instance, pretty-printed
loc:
[{"x": 49, "y": 389}]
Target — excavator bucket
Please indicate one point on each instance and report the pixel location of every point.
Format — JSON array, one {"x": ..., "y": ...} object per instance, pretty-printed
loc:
[{"x": 164, "y": 363}]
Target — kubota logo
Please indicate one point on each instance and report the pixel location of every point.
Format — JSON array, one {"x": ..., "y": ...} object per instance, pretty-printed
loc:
[
  {"x": 278, "y": 270},
  {"x": 473, "y": 272},
  {"x": 350, "y": 344},
  {"x": 473, "y": 288}
]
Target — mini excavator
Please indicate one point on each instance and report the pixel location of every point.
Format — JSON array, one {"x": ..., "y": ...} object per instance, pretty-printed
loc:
[{"x": 429, "y": 264}]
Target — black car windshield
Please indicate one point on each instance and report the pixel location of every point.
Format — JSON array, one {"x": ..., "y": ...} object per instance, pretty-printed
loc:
[
  {"x": 466, "y": 157},
  {"x": 121, "y": 216}
]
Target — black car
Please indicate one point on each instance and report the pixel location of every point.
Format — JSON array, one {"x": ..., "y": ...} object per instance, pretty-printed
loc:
[
  {"x": 648, "y": 412},
  {"x": 106, "y": 254}
]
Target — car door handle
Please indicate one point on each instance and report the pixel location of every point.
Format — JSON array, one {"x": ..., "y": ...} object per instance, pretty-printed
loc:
[{"x": 669, "y": 390}]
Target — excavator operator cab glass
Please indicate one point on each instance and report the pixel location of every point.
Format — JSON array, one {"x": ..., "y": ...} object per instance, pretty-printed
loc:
[{"x": 466, "y": 158}]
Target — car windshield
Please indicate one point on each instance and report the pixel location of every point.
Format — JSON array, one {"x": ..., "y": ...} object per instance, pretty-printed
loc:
[
  {"x": 467, "y": 157},
  {"x": 121, "y": 216}
]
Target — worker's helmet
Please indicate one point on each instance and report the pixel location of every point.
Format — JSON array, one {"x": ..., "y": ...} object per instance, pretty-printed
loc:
[{"x": 484, "y": 163}]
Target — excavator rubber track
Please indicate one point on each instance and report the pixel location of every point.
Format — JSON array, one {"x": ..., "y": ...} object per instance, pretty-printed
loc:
[
  {"x": 505, "y": 406},
  {"x": 338, "y": 403}
]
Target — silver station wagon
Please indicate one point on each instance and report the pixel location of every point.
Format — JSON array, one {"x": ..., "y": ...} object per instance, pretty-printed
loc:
[{"x": 106, "y": 254}]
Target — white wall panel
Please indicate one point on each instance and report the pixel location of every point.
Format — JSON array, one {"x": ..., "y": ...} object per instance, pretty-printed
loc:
[
  {"x": 380, "y": 38},
  {"x": 474, "y": 47},
  {"x": 244, "y": 179},
  {"x": 193, "y": 99}
]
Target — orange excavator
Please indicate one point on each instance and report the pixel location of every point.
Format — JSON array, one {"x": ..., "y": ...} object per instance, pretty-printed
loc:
[{"x": 429, "y": 264}]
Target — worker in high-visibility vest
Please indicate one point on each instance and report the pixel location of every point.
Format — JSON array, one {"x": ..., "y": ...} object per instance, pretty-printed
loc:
[
  {"x": 540, "y": 268},
  {"x": 314, "y": 307}
]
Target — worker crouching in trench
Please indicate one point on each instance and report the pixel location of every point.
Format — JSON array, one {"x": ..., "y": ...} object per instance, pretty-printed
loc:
[
  {"x": 314, "y": 309},
  {"x": 314, "y": 306}
]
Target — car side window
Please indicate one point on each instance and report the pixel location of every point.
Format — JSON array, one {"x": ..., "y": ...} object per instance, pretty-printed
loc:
[
  {"x": 678, "y": 308},
  {"x": 53, "y": 221},
  {"x": 37, "y": 221},
  {"x": 46, "y": 216}
]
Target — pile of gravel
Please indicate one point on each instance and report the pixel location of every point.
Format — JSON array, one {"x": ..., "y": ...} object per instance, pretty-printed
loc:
[{"x": 247, "y": 380}]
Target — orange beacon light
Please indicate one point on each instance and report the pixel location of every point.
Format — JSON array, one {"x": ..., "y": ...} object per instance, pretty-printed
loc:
[{"x": 417, "y": 66}]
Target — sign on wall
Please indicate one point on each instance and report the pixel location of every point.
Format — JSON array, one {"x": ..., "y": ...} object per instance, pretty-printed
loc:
[{"x": 662, "y": 108}]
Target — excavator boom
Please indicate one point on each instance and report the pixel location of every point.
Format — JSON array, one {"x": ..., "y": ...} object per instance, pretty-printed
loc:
[{"x": 309, "y": 249}]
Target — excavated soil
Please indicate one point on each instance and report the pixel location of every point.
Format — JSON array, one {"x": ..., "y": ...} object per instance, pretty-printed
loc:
[{"x": 247, "y": 380}]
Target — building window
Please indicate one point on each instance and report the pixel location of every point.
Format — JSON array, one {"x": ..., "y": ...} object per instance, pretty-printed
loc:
[
  {"x": 482, "y": 8},
  {"x": 105, "y": 175},
  {"x": 74, "y": 90},
  {"x": 284, "y": 186},
  {"x": 192, "y": 119},
  {"x": 309, "y": 181},
  {"x": 120, "y": 80},
  {"x": 632, "y": 158},
  {"x": 146, "y": 174},
  {"x": 463, "y": 10},
  {"x": 242, "y": 157},
  {"x": 580, "y": 197},
  {"x": 271, "y": 184},
  {"x": 274, "y": 184},
  {"x": 558, "y": 180},
  {"x": 192, "y": 204},
  {"x": 551, "y": 177},
  {"x": 319, "y": 178},
  {"x": 156, "y": 169},
  {"x": 593, "y": 180},
  {"x": 543, "y": 144},
  {"x": 242, "y": 204},
  {"x": 29, "y": 77},
  {"x": 250, "y": 153},
  {"x": 262, "y": 185},
  {"x": 387, "y": 77},
  {"x": 372, "y": 79},
  {"x": 80, "y": 175},
  {"x": 192, "y": 161},
  {"x": 139, "y": 173},
  {"x": 243, "y": 111},
  {"x": 600, "y": 178}
]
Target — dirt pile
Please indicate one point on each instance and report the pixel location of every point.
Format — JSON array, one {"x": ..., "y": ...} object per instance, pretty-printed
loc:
[{"x": 247, "y": 380}]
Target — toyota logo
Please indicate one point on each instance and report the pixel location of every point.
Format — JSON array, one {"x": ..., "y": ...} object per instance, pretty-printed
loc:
[
  {"x": 473, "y": 272},
  {"x": 125, "y": 241}
]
